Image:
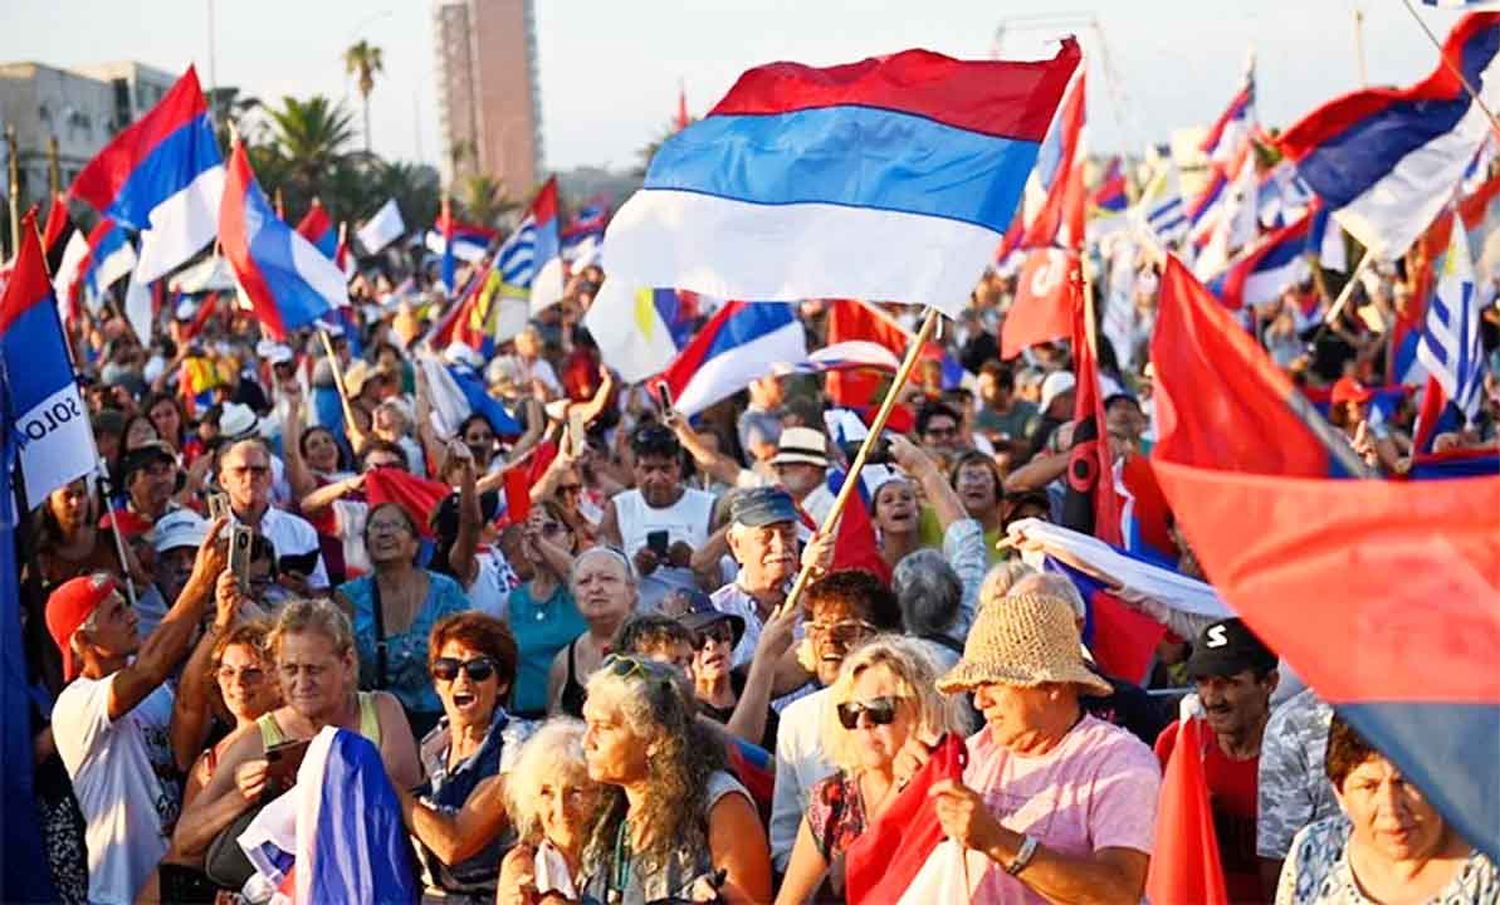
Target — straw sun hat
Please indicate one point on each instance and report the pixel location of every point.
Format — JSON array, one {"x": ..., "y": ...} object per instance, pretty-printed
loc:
[{"x": 1024, "y": 640}]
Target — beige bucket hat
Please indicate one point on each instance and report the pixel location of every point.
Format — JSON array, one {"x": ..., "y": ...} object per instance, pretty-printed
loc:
[{"x": 1024, "y": 640}]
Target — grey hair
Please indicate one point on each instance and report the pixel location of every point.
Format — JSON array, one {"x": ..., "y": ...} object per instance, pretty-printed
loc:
[
  {"x": 1053, "y": 585},
  {"x": 604, "y": 550},
  {"x": 1002, "y": 579},
  {"x": 929, "y": 592},
  {"x": 555, "y": 748}
]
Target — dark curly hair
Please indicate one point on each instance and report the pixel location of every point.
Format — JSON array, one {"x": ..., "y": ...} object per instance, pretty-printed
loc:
[{"x": 857, "y": 592}]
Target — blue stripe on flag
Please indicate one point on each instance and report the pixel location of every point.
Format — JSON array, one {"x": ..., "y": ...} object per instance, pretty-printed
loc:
[
  {"x": 1347, "y": 165},
  {"x": 170, "y": 167},
  {"x": 750, "y": 323},
  {"x": 850, "y": 156}
]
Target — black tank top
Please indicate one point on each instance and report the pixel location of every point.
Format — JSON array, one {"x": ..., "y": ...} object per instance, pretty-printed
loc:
[{"x": 572, "y": 692}]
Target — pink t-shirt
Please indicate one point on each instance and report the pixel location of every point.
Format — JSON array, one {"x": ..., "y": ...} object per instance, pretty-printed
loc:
[{"x": 1095, "y": 790}]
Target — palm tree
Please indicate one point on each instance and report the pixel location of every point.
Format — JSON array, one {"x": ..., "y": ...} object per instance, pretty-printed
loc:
[
  {"x": 312, "y": 137},
  {"x": 484, "y": 198},
  {"x": 365, "y": 61}
]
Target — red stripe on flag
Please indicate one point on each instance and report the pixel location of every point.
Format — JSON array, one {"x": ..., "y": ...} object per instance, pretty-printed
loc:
[
  {"x": 1185, "y": 865},
  {"x": 882, "y": 862}
]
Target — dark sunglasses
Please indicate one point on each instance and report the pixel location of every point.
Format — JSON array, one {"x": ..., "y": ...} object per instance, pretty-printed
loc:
[
  {"x": 847, "y": 633},
  {"x": 881, "y": 711},
  {"x": 446, "y": 668},
  {"x": 721, "y": 632}
]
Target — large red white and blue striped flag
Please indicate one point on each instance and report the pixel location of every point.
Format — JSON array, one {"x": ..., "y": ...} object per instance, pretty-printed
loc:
[
  {"x": 289, "y": 282},
  {"x": 1387, "y": 161},
  {"x": 890, "y": 178},
  {"x": 162, "y": 175},
  {"x": 743, "y": 341}
]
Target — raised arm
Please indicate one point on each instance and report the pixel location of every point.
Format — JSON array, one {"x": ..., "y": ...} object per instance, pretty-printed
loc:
[
  {"x": 164, "y": 648},
  {"x": 190, "y": 710},
  {"x": 720, "y": 467},
  {"x": 939, "y": 494},
  {"x": 325, "y": 496},
  {"x": 298, "y": 475},
  {"x": 462, "y": 555}
]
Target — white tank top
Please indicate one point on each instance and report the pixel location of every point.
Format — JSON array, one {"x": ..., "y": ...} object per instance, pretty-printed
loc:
[{"x": 686, "y": 520}]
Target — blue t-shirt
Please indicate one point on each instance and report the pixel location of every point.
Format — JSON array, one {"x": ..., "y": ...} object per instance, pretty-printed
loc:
[
  {"x": 406, "y": 653},
  {"x": 541, "y": 629}
]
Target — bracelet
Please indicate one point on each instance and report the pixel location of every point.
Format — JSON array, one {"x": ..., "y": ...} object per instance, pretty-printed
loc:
[{"x": 1023, "y": 857}]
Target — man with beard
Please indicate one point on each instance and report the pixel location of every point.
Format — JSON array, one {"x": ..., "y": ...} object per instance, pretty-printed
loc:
[{"x": 1234, "y": 673}]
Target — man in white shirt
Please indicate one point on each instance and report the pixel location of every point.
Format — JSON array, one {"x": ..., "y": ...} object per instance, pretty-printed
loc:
[
  {"x": 112, "y": 722},
  {"x": 245, "y": 475}
]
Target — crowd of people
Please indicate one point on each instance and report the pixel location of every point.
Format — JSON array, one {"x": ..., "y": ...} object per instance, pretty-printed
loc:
[{"x": 613, "y": 698}]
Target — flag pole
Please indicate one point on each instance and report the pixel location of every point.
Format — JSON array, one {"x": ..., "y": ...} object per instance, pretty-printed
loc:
[
  {"x": 338, "y": 378},
  {"x": 851, "y": 479},
  {"x": 13, "y": 177}
]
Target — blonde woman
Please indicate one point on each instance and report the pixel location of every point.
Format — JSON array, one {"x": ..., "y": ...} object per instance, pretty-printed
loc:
[
  {"x": 884, "y": 695},
  {"x": 550, "y": 797}
]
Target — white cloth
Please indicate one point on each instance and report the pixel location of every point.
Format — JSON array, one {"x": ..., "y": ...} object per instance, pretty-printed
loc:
[
  {"x": 349, "y": 517},
  {"x": 818, "y": 503},
  {"x": 117, "y": 770},
  {"x": 292, "y": 535},
  {"x": 737, "y": 601},
  {"x": 490, "y": 591},
  {"x": 800, "y": 764}
]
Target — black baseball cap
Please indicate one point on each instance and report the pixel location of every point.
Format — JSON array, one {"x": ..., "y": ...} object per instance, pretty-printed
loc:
[{"x": 1227, "y": 647}]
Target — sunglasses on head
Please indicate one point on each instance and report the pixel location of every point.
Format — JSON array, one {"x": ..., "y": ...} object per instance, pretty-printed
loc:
[
  {"x": 881, "y": 711},
  {"x": 626, "y": 666},
  {"x": 446, "y": 668}
]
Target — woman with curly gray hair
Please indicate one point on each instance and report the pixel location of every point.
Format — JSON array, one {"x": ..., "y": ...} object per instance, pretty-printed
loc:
[
  {"x": 671, "y": 822},
  {"x": 550, "y": 798}
]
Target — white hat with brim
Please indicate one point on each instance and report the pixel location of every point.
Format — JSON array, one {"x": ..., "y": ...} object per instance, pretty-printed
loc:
[
  {"x": 1057, "y": 383},
  {"x": 237, "y": 421},
  {"x": 801, "y": 446}
]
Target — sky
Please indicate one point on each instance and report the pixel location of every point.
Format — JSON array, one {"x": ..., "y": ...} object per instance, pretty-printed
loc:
[{"x": 610, "y": 70}]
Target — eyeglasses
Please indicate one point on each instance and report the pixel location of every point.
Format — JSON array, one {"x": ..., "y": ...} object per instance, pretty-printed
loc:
[
  {"x": 845, "y": 632},
  {"x": 881, "y": 711},
  {"x": 569, "y": 488},
  {"x": 552, "y": 528},
  {"x": 719, "y": 631},
  {"x": 258, "y": 471},
  {"x": 250, "y": 675},
  {"x": 445, "y": 669}
]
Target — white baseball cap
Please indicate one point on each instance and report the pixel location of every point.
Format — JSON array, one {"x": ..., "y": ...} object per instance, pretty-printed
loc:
[
  {"x": 179, "y": 528},
  {"x": 1057, "y": 383}
]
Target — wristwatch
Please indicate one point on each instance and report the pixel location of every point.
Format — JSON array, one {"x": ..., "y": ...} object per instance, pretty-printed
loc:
[{"x": 1023, "y": 857}]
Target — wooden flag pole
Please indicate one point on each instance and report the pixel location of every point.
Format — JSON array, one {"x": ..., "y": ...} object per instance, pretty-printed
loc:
[
  {"x": 851, "y": 480},
  {"x": 13, "y": 189},
  {"x": 338, "y": 379}
]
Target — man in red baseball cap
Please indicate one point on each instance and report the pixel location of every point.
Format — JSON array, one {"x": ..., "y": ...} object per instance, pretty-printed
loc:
[{"x": 112, "y": 723}]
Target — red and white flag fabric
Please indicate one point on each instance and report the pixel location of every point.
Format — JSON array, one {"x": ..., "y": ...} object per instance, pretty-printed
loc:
[{"x": 903, "y": 856}]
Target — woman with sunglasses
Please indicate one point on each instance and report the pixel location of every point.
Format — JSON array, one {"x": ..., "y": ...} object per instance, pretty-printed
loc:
[
  {"x": 394, "y": 609},
  {"x": 672, "y": 824},
  {"x": 884, "y": 695},
  {"x": 458, "y": 814}
]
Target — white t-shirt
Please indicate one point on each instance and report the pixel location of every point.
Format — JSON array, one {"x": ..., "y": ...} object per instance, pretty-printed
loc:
[
  {"x": 686, "y": 520},
  {"x": 493, "y": 582},
  {"x": 292, "y": 535},
  {"x": 124, "y": 778}
]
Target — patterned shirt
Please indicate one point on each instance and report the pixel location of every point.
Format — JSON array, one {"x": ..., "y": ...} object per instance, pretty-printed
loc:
[
  {"x": 1317, "y": 871},
  {"x": 1293, "y": 789}
]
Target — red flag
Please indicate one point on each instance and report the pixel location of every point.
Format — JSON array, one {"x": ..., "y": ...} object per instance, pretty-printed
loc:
[
  {"x": 1043, "y": 307},
  {"x": 1185, "y": 866},
  {"x": 856, "y": 546},
  {"x": 1124, "y": 641},
  {"x": 882, "y": 863},
  {"x": 517, "y": 495},
  {"x": 1091, "y": 505},
  {"x": 57, "y": 223},
  {"x": 418, "y": 496},
  {"x": 1214, "y": 381},
  {"x": 850, "y": 320}
]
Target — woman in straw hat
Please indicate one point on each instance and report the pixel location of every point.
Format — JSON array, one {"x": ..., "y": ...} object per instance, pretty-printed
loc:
[{"x": 1062, "y": 803}]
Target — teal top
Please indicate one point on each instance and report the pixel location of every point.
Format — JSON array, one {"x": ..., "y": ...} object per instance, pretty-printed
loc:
[
  {"x": 406, "y": 653},
  {"x": 542, "y": 628}
]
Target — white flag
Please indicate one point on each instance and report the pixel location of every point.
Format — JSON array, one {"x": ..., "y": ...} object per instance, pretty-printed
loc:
[{"x": 382, "y": 229}]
